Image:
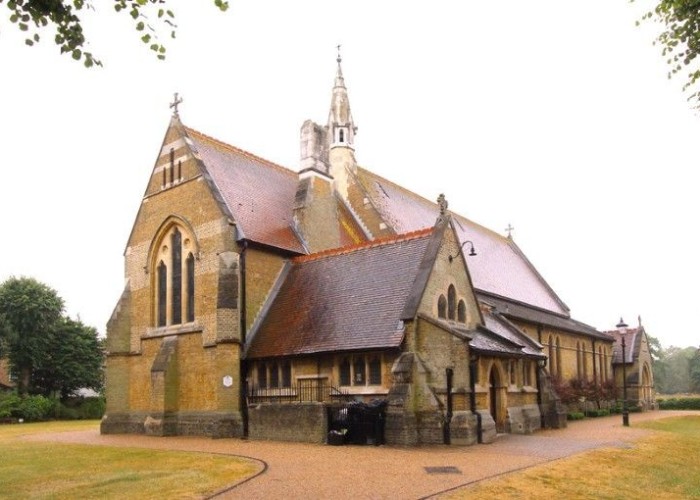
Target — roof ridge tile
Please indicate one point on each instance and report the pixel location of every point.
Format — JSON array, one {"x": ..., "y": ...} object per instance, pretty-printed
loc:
[{"x": 332, "y": 252}]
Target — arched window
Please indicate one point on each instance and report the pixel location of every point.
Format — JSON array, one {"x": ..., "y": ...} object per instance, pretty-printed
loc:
[
  {"x": 442, "y": 307},
  {"x": 176, "y": 276},
  {"x": 162, "y": 294},
  {"x": 190, "y": 288},
  {"x": 558, "y": 357},
  {"x": 174, "y": 280},
  {"x": 584, "y": 362},
  {"x": 579, "y": 360},
  {"x": 451, "y": 302},
  {"x": 552, "y": 357},
  {"x": 462, "y": 312}
]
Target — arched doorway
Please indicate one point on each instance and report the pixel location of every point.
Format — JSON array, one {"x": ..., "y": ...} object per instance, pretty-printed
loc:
[{"x": 495, "y": 397}]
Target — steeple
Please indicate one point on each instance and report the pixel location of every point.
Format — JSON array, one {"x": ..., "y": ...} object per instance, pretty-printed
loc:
[{"x": 341, "y": 127}]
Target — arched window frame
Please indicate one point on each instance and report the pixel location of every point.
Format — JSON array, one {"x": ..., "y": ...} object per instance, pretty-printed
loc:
[
  {"x": 442, "y": 307},
  {"x": 462, "y": 311},
  {"x": 174, "y": 303},
  {"x": 451, "y": 302}
]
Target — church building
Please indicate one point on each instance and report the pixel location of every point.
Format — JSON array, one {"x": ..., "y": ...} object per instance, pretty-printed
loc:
[{"x": 258, "y": 297}]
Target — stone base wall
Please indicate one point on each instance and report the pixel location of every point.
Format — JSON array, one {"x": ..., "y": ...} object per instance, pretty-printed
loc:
[
  {"x": 210, "y": 424},
  {"x": 400, "y": 427},
  {"x": 524, "y": 419},
  {"x": 463, "y": 428},
  {"x": 302, "y": 422},
  {"x": 488, "y": 427}
]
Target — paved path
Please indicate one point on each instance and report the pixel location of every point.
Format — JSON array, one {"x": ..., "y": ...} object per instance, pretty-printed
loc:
[{"x": 298, "y": 470}]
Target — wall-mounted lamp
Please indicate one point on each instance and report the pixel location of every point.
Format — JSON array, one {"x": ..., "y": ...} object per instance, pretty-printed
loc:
[{"x": 472, "y": 252}]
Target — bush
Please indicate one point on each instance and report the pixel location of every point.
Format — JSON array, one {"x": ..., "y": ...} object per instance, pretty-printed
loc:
[
  {"x": 576, "y": 415},
  {"x": 28, "y": 408},
  {"x": 679, "y": 404},
  {"x": 598, "y": 413},
  {"x": 82, "y": 409}
]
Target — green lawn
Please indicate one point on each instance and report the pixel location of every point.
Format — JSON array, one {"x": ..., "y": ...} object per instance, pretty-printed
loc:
[
  {"x": 664, "y": 465},
  {"x": 32, "y": 469}
]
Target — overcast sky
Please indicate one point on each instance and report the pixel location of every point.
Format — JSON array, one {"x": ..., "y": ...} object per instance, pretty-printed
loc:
[{"x": 555, "y": 117}]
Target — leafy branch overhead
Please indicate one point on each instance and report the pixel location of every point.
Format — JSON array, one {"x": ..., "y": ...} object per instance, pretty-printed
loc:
[
  {"x": 150, "y": 17},
  {"x": 680, "y": 38}
]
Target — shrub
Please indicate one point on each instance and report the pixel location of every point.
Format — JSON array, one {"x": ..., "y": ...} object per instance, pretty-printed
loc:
[
  {"x": 28, "y": 408},
  {"x": 576, "y": 415},
  {"x": 679, "y": 404},
  {"x": 598, "y": 413}
]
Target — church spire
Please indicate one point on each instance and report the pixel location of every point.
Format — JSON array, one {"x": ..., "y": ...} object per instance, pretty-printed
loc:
[{"x": 341, "y": 127}]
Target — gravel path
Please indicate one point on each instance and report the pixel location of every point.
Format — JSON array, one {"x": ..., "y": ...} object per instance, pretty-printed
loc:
[{"x": 298, "y": 470}]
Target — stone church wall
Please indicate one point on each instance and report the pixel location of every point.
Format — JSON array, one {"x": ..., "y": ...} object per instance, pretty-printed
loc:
[{"x": 302, "y": 422}]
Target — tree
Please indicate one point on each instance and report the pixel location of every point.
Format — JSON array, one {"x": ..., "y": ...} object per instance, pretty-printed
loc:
[
  {"x": 73, "y": 362},
  {"x": 694, "y": 369},
  {"x": 63, "y": 16},
  {"x": 30, "y": 312},
  {"x": 680, "y": 38}
]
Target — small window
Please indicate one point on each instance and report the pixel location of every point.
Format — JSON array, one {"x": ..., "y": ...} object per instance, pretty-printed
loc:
[
  {"x": 451, "y": 302},
  {"x": 375, "y": 371},
  {"x": 176, "y": 276},
  {"x": 442, "y": 307},
  {"x": 341, "y": 136},
  {"x": 359, "y": 371},
  {"x": 345, "y": 372},
  {"x": 286, "y": 374},
  {"x": 262, "y": 376},
  {"x": 274, "y": 375},
  {"x": 526, "y": 373},
  {"x": 462, "y": 312},
  {"x": 511, "y": 369}
]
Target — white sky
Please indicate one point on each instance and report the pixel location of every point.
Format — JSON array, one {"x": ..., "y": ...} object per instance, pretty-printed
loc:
[{"x": 553, "y": 116}]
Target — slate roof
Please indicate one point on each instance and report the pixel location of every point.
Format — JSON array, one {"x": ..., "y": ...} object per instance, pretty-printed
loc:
[
  {"x": 259, "y": 193},
  {"x": 511, "y": 309},
  {"x": 499, "y": 266},
  {"x": 499, "y": 325},
  {"x": 341, "y": 300},
  {"x": 633, "y": 344}
]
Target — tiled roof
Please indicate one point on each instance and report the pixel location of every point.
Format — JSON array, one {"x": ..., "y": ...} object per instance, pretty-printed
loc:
[
  {"x": 259, "y": 194},
  {"x": 633, "y": 344},
  {"x": 515, "y": 310},
  {"x": 342, "y": 300},
  {"x": 499, "y": 266},
  {"x": 505, "y": 329}
]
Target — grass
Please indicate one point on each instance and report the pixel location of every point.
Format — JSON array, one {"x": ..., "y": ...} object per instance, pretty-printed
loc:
[
  {"x": 664, "y": 465},
  {"x": 32, "y": 469}
]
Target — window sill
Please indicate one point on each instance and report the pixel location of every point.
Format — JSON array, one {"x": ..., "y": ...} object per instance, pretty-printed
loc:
[{"x": 166, "y": 331}]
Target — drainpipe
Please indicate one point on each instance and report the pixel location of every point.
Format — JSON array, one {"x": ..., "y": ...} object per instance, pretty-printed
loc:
[
  {"x": 473, "y": 360},
  {"x": 243, "y": 326},
  {"x": 538, "y": 381},
  {"x": 448, "y": 417}
]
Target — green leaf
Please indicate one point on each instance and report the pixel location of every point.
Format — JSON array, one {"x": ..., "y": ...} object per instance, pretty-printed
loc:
[
  {"x": 76, "y": 54},
  {"x": 140, "y": 25},
  {"x": 146, "y": 38}
]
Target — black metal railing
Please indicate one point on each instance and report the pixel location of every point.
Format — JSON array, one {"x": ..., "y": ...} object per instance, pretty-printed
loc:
[{"x": 305, "y": 390}]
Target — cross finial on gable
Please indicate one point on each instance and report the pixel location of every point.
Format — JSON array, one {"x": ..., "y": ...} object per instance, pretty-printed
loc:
[
  {"x": 176, "y": 101},
  {"x": 509, "y": 230},
  {"x": 339, "y": 59},
  {"x": 442, "y": 203}
]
